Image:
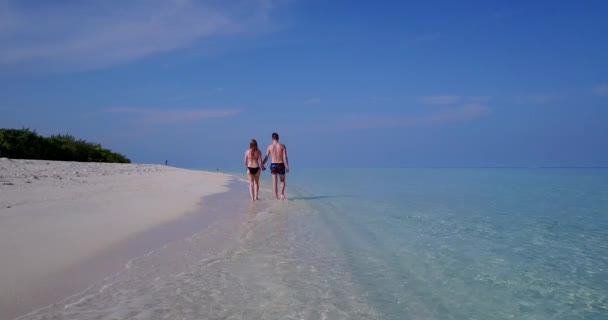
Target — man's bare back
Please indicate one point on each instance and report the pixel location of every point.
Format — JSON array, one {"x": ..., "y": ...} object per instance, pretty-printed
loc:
[{"x": 276, "y": 151}]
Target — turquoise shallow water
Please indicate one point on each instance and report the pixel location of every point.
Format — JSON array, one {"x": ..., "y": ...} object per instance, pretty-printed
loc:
[
  {"x": 470, "y": 243},
  {"x": 379, "y": 244}
]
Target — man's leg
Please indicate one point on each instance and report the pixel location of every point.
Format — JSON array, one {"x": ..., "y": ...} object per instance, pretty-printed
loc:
[
  {"x": 274, "y": 186},
  {"x": 282, "y": 186}
]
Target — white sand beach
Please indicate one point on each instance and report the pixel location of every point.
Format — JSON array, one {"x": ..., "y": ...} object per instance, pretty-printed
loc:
[{"x": 54, "y": 215}]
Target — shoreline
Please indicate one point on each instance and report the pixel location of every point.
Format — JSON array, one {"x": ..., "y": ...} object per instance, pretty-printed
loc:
[
  {"x": 269, "y": 260},
  {"x": 101, "y": 214},
  {"x": 121, "y": 257}
]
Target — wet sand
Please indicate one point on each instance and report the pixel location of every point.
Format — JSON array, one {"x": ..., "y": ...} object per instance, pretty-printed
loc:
[
  {"x": 268, "y": 260},
  {"x": 65, "y": 225}
]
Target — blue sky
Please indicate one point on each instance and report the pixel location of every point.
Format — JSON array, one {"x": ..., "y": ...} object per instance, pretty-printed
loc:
[{"x": 345, "y": 83}]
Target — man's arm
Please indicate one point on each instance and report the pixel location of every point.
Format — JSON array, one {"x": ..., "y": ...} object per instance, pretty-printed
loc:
[
  {"x": 260, "y": 160},
  {"x": 285, "y": 158},
  {"x": 266, "y": 157}
]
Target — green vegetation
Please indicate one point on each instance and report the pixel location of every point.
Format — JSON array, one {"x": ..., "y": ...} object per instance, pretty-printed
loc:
[{"x": 27, "y": 144}]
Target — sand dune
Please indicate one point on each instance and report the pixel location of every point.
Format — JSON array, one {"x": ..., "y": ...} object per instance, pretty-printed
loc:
[{"x": 55, "y": 214}]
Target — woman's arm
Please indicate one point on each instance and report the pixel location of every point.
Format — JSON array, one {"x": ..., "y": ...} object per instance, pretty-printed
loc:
[{"x": 246, "y": 158}]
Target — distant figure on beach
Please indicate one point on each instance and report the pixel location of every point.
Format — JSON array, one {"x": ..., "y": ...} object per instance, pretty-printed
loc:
[
  {"x": 279, "y": 164},
  {"x": 253, "y": 159}
]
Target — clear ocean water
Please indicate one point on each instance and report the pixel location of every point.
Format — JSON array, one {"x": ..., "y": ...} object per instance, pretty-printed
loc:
[
  {"x": 471, "y": 243},
  {"x": 380, "y": 244}
]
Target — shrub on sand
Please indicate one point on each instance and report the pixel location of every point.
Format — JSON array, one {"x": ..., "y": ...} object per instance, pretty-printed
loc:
[{"x": 27, "y": 144}]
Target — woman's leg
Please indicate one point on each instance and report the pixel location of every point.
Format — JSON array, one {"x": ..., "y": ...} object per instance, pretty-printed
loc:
[
  {"x": 257, "y": 185},
  {"x": 251, "y": 181}
]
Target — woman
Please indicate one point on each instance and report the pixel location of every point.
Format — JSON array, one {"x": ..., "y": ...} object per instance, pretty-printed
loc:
[{"x": 253, "y": 163}]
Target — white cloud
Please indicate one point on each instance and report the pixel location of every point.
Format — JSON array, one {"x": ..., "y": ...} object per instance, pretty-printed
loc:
[
  {"x": 542, "y": 98},
  {"x": 536, "y": 99},
  {"x": 480, "y": 99},
  {"x": 312, "y": 101},
  {"x": 172, "y": 116},
  {"x": 601, "y": 90},
  {"x": 465, "y": 113},
  {"x": 439, "y": 100},
  {"x": 98, "y": 33}
]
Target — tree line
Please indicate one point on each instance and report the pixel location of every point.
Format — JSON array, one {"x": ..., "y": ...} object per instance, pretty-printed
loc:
[{"x": 27, "y": 144}]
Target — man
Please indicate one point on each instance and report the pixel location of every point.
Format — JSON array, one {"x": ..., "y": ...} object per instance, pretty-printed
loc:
[{"x": 279, "y": 164}]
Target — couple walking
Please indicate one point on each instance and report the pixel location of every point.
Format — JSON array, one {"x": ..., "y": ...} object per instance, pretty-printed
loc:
[{"x": 279, "y": 165}]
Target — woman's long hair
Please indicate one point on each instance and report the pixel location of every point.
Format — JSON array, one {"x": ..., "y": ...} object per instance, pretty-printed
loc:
[{"x": 253, "y": 146}]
